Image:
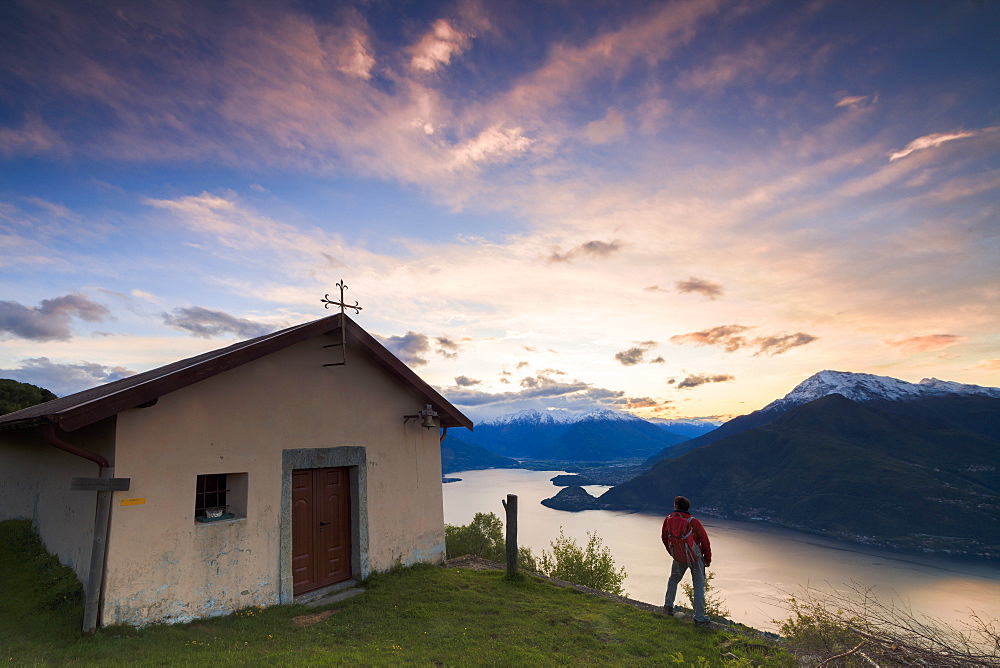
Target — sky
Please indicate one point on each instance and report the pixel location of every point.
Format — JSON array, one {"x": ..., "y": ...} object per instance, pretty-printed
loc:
[{"x": 680, "y": 209}]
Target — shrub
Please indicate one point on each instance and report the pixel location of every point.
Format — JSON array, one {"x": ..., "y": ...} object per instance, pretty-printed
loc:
[
  {"x": 854, "y": 627},
  {"x": 592, "y": 567}
]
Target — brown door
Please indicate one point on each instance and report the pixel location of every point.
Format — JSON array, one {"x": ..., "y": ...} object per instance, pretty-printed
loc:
[{"x": 321, "y": 528}]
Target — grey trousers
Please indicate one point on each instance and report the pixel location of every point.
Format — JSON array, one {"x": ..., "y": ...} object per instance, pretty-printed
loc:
[{"x": 697, "y": 578}]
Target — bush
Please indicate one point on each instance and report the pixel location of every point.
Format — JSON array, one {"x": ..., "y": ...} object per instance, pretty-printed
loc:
[
  {"x": 853, "y": 627},
  {"x": 592, "y": 567}
]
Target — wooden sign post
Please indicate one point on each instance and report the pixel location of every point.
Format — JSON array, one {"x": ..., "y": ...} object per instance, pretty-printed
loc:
[{"x": 510, "y": 506}]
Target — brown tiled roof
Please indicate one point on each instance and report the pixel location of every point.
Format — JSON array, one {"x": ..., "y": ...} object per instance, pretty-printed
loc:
[{"x": 87, "y": 407}]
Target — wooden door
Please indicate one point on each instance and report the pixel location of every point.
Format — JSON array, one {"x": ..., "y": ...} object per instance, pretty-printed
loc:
[{"x": 321, "y": 528}]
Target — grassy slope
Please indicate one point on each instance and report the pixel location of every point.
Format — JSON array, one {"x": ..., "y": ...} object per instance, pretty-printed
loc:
[{"x": 421, "y": 615}]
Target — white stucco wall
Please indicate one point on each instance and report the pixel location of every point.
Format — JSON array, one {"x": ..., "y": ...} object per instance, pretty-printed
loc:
[
  {"x": 164, "y": 566},
  {"x": 35, "y": 483}
]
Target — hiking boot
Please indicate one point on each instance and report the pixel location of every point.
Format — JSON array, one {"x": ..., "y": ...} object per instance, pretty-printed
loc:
[
  {"x": 668, "y": 610},
  {"x": 702, "y": 622}
]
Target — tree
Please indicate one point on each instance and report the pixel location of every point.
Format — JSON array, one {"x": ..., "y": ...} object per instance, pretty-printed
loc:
[
  {"x": 592, "y": 567},
  {"x": 483, "y": 537},
  {"x": 15, "y": 395}
]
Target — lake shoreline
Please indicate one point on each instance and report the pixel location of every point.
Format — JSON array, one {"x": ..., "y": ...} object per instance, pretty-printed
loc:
[
  {"x": 611, "y": 475},
  {"x": 756, "y": 563}
]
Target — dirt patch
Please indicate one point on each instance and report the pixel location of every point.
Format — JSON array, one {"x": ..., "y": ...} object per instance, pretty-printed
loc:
[
  {"x": 475, "y": 563},
  {"x": 316, "y": 618}
]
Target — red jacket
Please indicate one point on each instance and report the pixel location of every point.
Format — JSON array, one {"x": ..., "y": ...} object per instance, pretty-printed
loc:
[{"x": 700, "y": 537}]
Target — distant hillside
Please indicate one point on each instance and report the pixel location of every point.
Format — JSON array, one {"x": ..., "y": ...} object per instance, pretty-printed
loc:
[
  {"x": 457, "y": 455},
  {"x": 926, "y": 479},
  {"x": 596, "y": 437},
  {"x": 15, "y": 395}
]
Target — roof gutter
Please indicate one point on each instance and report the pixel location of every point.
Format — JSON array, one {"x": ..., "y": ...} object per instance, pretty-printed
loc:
[{"x": 102, "y": 523}]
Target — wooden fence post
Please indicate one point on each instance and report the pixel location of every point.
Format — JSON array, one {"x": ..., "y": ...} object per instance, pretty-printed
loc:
[{"x": 510, "y": 506}]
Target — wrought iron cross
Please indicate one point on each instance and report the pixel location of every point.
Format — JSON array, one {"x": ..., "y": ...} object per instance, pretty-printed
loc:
[{"x": 327, "y": 302}]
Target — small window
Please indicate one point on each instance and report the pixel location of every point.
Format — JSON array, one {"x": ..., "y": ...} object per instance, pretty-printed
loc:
[{"x": 220, "y": 496}]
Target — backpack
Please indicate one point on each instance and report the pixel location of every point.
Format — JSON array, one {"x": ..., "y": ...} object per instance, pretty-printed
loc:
[{"x": 680, "y": 539}]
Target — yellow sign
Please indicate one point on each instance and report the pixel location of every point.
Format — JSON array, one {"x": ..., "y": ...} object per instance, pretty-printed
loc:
[{"x": 133, "y": 502}]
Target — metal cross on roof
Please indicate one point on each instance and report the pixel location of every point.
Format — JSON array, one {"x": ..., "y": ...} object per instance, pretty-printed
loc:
[{"x": 327, "y": 302}]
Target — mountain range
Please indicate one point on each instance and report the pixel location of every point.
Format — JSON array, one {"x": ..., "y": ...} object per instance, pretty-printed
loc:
[
  {"x": 596, "y": 436},
  {"x": 880, "y": 391},
  {"x": 867, "y": 458}
]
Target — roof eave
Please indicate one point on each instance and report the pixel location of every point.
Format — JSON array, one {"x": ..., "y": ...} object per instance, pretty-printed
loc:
[{"x": 132, "y": 397}]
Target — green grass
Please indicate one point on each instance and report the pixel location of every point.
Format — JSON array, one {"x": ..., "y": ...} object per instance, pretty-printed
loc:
[{"x": 423, "y": 615}]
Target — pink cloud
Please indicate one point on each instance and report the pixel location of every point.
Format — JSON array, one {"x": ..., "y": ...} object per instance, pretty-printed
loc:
[
  {"x": 923, "y": 344},
  {"x": 988, "y": 365},
  {"x": 929, "y": 141},
  {"x": 436, "y": 48},
  {"x": 32, "y": 137}
]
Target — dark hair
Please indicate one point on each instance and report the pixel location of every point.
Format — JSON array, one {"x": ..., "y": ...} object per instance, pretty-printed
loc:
[{"x": 682, "y": 504}]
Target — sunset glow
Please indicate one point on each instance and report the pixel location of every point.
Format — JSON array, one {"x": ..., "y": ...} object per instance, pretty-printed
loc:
[{"x": 676, "y": 208}]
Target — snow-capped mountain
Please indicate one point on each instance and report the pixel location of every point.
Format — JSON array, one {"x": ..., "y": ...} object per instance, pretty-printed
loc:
[
  {"x": 866, "y": 387},
  {"x": 894, "y": 394},
  {"x": 559, "y": 416},
  {"x": 596, "y": 435}
]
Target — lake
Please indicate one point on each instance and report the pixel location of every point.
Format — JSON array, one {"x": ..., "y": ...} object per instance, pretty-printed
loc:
[{"x": 752, "y": 562}]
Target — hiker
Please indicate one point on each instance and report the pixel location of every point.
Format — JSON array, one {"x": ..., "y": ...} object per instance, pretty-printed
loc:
[{"x": 686, "y": 541}]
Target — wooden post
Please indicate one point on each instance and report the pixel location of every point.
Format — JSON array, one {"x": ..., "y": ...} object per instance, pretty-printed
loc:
[
  {"x": 98, "y": 557},
  {"x": 510, "y": 506}
]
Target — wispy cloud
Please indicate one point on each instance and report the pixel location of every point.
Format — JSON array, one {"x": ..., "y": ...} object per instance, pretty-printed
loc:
[
  {"x": 51, "y": 319},
  {"x": 492, "y": 144},
  {"x": 730, "y": 338},
  {"x": 988, "y": 365},
  {"x": 775, "y": 345},
  {"x": 436, "y": 48},
  {"x": 543, "y": 392},
  {"x": 207, "y": 323},
  {"x": 856, "y": 101},
  {"x": 636, "y": 354},
  {"x": 706, "y": 288},
  {"x": 356, "y": 56},
  {"x": 64, "y": 378},
  {"x": 33, "y": 137},
  {"x": 599, "y": 249},
  {"x": 606, "y": 129},
  {"x": 914, "y": 345},
  {"x": 447, "y": 348},
  {"x": 638, "y": 403},
  {"x": 929, "y": 141},
  {"x": 695, "y": 380}
]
